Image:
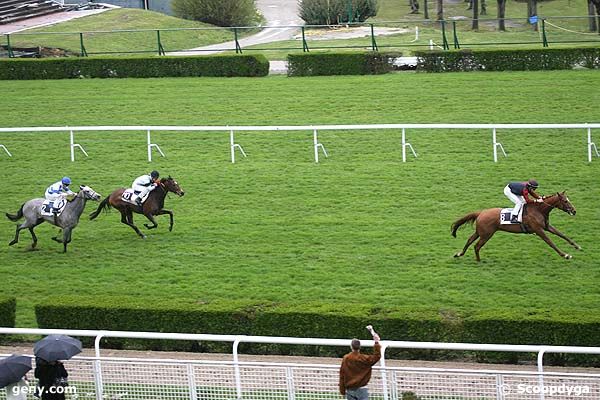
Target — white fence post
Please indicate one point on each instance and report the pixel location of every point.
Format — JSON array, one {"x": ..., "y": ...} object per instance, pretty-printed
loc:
[
  {"x": 73, "y": 145},
  {"x": 318, "y": 145},
  {"x": 590, "y": 145},
  {"x": 496, "y": 145},
  {"x": 98, "y": 370},
  {"x": 5, "y": 149},
  {"x": 192, "y": 382},
  {"x": 233, "y": 146},
  {"x": 291, "y": 387},
  {"x": 405, "y": 144},
  {"x": 151, "y": 145},
  {"x": 540, "y": 367},
  {"x": 236, "y": 368}
]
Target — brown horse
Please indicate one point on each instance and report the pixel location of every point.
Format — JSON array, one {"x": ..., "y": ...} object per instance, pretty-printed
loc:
[
  {"x": 535, "y": 220},
  {"x": 152, "y": 206}
]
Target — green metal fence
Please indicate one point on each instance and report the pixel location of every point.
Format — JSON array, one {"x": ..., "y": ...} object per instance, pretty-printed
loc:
[{"x": 393, "y": 35}]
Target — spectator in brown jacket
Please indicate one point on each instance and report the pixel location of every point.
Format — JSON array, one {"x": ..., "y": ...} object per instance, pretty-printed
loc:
[{"x": 355, "y": 371}]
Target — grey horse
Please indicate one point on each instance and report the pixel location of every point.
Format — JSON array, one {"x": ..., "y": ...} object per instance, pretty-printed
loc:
[{"x": 67, "y": 220}]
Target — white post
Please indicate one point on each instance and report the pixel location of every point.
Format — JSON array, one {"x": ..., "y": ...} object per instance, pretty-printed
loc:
[
  {"x": 540, "y": 367},
  {"x": 496, "y": 145},
  {"x": 590, "y": 145},
  {"x": 384, "y": 373},
  {"x": 233, "y": 146},
  {"x": 405, "y": 145},
  {"x": 192, "y": 382},
  {"x": 6, "y": 150},
  {"x": 236, "y": 367},
  {"x": 98, "y": 370},
  {"x": 151, "y": 145},
  {"x": 73, "y": 145},
  {"x": 318, "y": 145}
]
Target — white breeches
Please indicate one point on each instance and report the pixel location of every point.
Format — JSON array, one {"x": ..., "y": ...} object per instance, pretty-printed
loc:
[
  {"x": 515, "y": 198},
  {"x": 142, "y": 191}
]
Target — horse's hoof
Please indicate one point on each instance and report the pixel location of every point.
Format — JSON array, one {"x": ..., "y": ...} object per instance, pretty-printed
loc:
[
  {"x": 456, "y": 255},
  {"x": 143, "y": 236},
  {"x": 568, "y": 256},
  {"x": 170, "y": 229},
  {"x": 579, "y": 248},
  {"x": 13, "y": 242}
]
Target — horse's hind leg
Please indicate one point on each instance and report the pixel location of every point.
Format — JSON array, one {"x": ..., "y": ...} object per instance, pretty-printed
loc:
[
  {"x": 473, "y": 237},
  {"x": 127, "y": 219},
  {"x": 34, "y": 238},
  {"x": 16, "y": 239},
  {"x": 481, "y": 242},
  {"x": 66, "y": 238}
]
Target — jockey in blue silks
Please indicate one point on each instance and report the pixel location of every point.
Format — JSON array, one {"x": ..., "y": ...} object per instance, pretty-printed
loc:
[
  {"x": 59, "y": 190},
  {"x": 518, "y": 193}
]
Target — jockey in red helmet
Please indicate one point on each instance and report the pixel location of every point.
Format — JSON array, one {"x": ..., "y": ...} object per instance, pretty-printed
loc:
[{"x": 518, "y": 193}]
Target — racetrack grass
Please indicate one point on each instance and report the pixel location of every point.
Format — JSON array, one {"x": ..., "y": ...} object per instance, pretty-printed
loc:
[{"x": 361, "y": 227}]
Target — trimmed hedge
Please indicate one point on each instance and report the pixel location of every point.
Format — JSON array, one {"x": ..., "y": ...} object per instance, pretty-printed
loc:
[
  {"x": 313, "y": 64},
  {"x": 8, "y": 306},
  {"x": 134, "y": 67},
  {"x": 508, "y": 60},
  {"x": 324, "y": 321}
]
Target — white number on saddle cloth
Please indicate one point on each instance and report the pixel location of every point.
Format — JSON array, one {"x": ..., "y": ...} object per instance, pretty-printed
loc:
[
  {"x": 51, "y": 207},
  {"x": 505, "y": 215},
  {"x": 128, "y": 195}
]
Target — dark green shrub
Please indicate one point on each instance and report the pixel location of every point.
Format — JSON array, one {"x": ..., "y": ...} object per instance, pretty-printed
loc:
[
  {"x": 134, "y": 67},
  {"x": 333, "y": 12},
  {"x": 8, "y": 306},
  {"x": 326, "y": 321},
  {"x": 507, "y": 60},
  {"x": 218, "y": 12},
  {"x": 314, "y": 64}
]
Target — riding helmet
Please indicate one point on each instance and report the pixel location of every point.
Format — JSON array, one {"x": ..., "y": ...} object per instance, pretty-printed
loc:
[
  {"x": 66, "y": 180},
  {"x": 154, "y": 174},
  {"x": 532, "y": 183}
]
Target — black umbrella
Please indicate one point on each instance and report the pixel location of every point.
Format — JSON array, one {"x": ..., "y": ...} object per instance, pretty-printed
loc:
[
  {"x": 13, "y": 368},
  {"x": 57, "y": 347}
]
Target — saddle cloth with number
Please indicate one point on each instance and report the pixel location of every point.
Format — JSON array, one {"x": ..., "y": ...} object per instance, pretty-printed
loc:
[
  {"x": 505, "y": 214},
  {"x": 51, "y": 207}
]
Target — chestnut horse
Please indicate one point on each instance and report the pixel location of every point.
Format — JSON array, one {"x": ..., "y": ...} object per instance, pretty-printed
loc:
[
  {"x": 152, "y": 206},
  {"x": 535, "y": 220}
]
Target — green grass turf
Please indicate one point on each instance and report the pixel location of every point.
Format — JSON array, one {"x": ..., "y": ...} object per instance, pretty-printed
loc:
[{"x": 360, "y": 227}]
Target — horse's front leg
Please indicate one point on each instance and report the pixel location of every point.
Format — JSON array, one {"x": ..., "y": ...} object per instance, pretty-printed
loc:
[
  {"x": 151, "y": 219},
  {"x": 163, "y": 212},
  {"x": 558, "y": 233},
  {"x": 127, "y": 219},
  {"x": 540, "y": 232},
  {"x": 66, "y": 238}
]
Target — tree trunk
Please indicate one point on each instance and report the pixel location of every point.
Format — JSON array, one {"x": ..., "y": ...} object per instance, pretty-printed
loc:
[
  {"x": 592, "y": 16},
  {"x": 475, "y": 25},
  {"x": 531, "y": 11},
  {"x": 425, "y": 9},
  {"x": 501, "y": 15},
  {"x": 440, "y": 10}
]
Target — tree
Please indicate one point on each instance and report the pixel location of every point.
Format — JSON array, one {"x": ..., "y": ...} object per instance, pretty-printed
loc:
[
  {"x": 440, "y": 10},
  {"x": 501, "y": 15},
  {"x": 532, "y": 11},
  {"x": 425, "y": 9},
  {"x": 594, "y": 16},
  {"x": 475, "y": 6}
]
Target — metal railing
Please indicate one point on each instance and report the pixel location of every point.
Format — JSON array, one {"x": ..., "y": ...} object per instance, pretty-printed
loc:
[
  {"x": 383, "y": 35},
  {"x": 315, "y": 129},
  {"x": 151, "y": 378}
]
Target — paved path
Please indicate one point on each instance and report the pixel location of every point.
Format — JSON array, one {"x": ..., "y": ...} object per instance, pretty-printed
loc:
[{"x": 281, "y": 15}]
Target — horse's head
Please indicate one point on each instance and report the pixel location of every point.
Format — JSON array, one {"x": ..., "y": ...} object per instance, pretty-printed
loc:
[
  {"x": 88, "y": 193},
  {"x": 562, "y": 202},
  {"x": 171, "y": 185}
]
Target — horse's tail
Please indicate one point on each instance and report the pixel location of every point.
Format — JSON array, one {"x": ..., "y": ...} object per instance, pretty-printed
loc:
[
  {"x": 104, "y": 204},
  {"x": 467, "y": 218},
  {"x": 17, "y": 216}
]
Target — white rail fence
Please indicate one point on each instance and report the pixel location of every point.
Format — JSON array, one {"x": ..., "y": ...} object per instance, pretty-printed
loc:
[
  {"x": 144, "y": 378},
  {"x": 315, "y": 129}
]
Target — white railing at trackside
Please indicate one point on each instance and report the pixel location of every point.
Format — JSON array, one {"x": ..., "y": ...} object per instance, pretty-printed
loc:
[
  {"x": 388, "y": 384},
  {"x": 317, "y": 145}
]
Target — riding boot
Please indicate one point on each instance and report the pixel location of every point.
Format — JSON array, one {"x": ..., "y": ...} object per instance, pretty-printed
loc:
[
  {"x": 514, "y": 219},
  {"x": 138, "y": 201}
]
